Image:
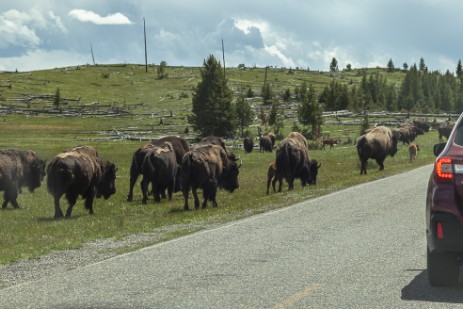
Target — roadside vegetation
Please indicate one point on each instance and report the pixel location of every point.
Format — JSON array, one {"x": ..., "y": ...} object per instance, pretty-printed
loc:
[{"x": 116, "y": 109}]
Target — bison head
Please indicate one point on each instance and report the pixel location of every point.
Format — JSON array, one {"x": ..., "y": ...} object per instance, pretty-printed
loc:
[
  {"x": 394, "y": 140},
  {"x": 107, "y": 185},
  {"x": 37, "y": 173},
  {"x": 229, "y": 178},
  {"x": 314, "y": 166}
]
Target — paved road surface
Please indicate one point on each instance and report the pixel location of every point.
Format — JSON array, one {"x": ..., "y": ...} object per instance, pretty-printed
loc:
[{"x": 363, "y": 247}]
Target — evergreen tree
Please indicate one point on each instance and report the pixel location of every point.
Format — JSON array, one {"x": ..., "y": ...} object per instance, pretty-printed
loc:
[
  {"x": 422, "y": 65},
  {"x": 267, "y": 94},
  {"x": 459, "y": 70},
  {"x": 212, "y": 109},
  {"x": 334, "y": 65},
  {"x": 244, "y": 113},
  {"x": 162, "y": 70},
  {"x": 390, "y": 66}
]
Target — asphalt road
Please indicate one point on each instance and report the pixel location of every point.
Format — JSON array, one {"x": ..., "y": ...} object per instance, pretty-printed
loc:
[{"x": 363, "y": 247}]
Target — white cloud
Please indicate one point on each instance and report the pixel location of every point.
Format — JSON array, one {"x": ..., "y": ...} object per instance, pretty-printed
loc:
[
  {"x": 89, "y": 16},
  {"x": 21, "y": 28}
]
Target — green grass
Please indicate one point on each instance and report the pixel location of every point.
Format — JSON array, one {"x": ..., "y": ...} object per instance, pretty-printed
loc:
[{"x": 31, "y": 231}]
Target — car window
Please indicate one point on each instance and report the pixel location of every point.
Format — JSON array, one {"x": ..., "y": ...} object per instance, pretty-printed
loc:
[{"x": 459, "y": 135}]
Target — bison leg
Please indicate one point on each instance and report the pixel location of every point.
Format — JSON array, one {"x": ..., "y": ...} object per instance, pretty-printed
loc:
[
  {"x": 134, "y": 173},
  {"x": 144, "y": 190},
  {"x": 72, "y": 198},
  {"x": 363, "y": 167},
  {"x": 185, "y": 190},
  {"x": 171, "y": 188},
  {"x": 157, "y": 192},
  {"x": 88, "y": 204},
  {"x": 380, "y": 163},
  {"x": 195, "y": 196},
  {"x": 58, "y": 212}
]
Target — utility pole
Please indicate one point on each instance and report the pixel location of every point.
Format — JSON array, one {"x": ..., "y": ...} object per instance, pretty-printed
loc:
[
  {"x": 146, "y": 54},
  {"x": 91, "y": 51}
]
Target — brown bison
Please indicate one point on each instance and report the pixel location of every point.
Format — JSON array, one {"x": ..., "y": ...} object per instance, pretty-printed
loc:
[
  {"x": 208, "y": 167},
  {"x": 412, "y": 151},
  {"x": 248, "y": 144},
  {"x": 213, "y": 140},
  {"x": 180, "y": 147},
  {"x": 159, "y": 168},
  {"x": 79, "y": 171},
  {"x": 444, "y": 132},
  {"x": 19, "y": 168},
  {"x": 377, "y": 144},
  {"x": 265, "y": 144},
  {"x": 329, "y": 141},
  {"x": 292, "y": 160}
]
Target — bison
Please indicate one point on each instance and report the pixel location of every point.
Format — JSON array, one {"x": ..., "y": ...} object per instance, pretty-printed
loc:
[
  {"x": 180, "y": 147},
  {"x": 79, "y": 171},
  {"x": 292, "y": 160},
  {"x": 412, "y": 151},
  {"x": 329, "y": 141},
  {"x": 377, "y": 144},
  {"x": 19, "y": 168},
  {"x": 208, "y": 167},
  {"x": 248, "y": 144},
  {"x": 159, "y": 168},
  {"x": 444, "y": 132},
  {"x": 265, "y": 144}
]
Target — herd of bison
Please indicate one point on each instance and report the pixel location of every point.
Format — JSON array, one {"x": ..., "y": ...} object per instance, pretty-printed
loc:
[{"x": 169, "y": 165}]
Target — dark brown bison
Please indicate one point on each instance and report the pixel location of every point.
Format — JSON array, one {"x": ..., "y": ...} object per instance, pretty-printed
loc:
[
  {"x": 180, "y": 147},
  {"x": 377, "y": 144},
  {"x": 248, "y": 144},
  {"x": 208, "y": 167},
  {"x": 292, "y": 160},
  {"x": 79, "y": 171},
  {"x": 19, "y": 168},
  {"x": 213, "y": 140},
  {"x": 265, "y": 143},
  {"x": 159, "y": 168},
  {"x": 444, "y": 132}
]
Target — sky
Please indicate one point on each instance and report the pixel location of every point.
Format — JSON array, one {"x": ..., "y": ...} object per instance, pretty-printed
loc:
[{"x": 46, "y": 34}]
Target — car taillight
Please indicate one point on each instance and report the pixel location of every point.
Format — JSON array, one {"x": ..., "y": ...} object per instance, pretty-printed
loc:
[
  {"x": 440, "y": 230},
  {"x": 444, "y": 169}
]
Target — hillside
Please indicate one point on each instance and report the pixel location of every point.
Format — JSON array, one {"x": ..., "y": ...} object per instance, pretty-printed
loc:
[{"x": 140, "y": 100}]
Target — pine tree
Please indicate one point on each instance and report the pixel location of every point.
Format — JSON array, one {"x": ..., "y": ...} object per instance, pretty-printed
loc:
[
  {"x": 334, "y": 65},
  {"x": 212, "y": 109},
  {"x": 459, "y": 69},
  {"x": 244, "y": 113},
  {"x": 390, "y": 66}
]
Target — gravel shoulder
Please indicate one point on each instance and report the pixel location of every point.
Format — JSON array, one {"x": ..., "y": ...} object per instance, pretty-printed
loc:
[{"x": 59, "y": 262}]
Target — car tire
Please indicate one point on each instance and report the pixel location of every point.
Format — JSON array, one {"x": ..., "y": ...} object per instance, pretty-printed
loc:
[{"x": 443, "y": 269}]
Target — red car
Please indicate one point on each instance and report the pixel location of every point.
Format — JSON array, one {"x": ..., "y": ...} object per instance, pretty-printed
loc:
[{"x": 444, "y": 211}]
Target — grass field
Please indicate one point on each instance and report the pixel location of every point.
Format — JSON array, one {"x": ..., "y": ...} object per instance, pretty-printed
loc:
[{"x": 31, "y": 231}]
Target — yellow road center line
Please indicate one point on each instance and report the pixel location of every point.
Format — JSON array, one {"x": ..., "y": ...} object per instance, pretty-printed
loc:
[{"x": 296, "y": 297}]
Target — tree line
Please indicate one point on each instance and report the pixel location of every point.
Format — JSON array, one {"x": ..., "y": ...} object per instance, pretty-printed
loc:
[{"x": 215, "y": 111}]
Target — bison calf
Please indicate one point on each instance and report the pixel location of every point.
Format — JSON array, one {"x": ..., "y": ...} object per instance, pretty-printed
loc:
[
  {"x": 80, "y": 171},
  {"x": 412, "y": 150}
]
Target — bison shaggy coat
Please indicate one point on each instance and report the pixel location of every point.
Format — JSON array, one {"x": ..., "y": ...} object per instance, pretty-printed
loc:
[
  {"x": 180, "y": 147},
  {"x": 160, "y": 169},
  {"x": 19, "y": 168},
  {"x": 377, "y": 144},
  {"x": 292, "y": 160},
  {"x": 79, "y": 171},
  {"x": 208, "y": 167}
]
